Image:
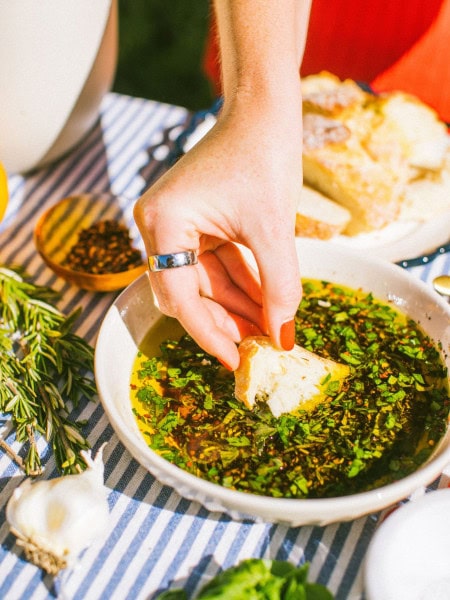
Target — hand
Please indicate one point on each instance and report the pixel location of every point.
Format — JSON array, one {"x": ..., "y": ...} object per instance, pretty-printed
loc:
[{"x": 239, "y": 184}]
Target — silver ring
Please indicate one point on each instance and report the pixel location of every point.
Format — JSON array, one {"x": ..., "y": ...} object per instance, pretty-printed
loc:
[{"x": 160, "y": 262}]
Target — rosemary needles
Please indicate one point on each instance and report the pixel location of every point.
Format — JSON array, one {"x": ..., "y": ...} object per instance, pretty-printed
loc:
[{"x": 44, "y": 366}]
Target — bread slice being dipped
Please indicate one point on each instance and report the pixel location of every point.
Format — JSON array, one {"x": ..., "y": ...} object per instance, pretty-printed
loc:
[{"x": 287, "y": 381}]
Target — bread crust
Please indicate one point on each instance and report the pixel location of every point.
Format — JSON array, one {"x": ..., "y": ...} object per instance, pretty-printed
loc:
[
  {"x": 362, "y": 150},
  {"x": 319, "y": 217},
  {"x": 287, "y": 380}
]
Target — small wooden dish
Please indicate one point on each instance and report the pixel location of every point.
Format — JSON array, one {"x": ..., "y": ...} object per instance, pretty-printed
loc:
[{"x": 58, "y": 228}]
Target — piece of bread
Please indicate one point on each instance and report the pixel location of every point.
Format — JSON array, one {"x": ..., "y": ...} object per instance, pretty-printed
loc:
[
  {"x": 424, "y": 135},
  {"x": 428, "y": 195},
  {"x": 318, "y": 216},
  {"x": 286, "y": 380},
  {"x": 342, "y": 169},
  {"x": 363, "y": 150}
]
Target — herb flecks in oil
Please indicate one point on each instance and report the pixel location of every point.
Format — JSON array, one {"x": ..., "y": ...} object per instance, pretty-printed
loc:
[{"x": 379, "y": 427}]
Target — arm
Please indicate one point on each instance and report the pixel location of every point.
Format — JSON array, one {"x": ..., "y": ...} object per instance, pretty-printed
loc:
[
  {"x": 261, "y": 43},
  {"x": 239, "y": 184}
]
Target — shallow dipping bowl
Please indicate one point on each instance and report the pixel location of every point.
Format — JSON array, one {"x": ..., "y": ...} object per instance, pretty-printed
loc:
[{"x": 133, "y": 314}]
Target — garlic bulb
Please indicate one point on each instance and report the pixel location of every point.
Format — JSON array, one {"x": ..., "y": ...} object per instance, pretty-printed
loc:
[{"x": 55, "y": 520}]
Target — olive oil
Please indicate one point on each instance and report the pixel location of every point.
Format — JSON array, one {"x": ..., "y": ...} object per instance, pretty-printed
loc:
[{"x": 380, "y": 426}]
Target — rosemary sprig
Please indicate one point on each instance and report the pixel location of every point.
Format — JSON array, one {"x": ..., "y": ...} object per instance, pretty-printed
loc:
[{"x": 44, "y": 367}]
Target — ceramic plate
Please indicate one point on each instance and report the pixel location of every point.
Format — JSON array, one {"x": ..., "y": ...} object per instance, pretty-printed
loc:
[{"x": 409, "y": 556}]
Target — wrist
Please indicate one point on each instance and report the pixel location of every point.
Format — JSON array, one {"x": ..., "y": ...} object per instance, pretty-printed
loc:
[{"x": 266, "y": 102}]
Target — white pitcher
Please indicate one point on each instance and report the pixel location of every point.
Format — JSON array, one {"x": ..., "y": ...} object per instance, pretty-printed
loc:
[{"x": 57, "y": 61}]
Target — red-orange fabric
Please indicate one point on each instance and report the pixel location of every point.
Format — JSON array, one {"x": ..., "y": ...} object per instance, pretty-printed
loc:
[
  {"x": 387, "y": 43},
  {"x": 361, "y": 38},
  {"x": 424, "y": 69}
]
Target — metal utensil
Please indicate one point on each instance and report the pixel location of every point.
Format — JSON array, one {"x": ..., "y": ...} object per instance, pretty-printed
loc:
[{"x": 442, "y": 285}]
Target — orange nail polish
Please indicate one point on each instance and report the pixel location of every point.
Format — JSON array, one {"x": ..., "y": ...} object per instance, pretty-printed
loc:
[
  {"x": 287, "y": 335},
  {"x": 224, "y": 364}
]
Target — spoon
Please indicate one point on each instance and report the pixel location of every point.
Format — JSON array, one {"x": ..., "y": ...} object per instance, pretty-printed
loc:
[{"x": 442, "y": 285}]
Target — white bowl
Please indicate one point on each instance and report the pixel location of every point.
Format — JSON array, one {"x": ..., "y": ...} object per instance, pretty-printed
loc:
[
  {"x": 409, "y": 555},
  {"x": 134, "y": 313}
]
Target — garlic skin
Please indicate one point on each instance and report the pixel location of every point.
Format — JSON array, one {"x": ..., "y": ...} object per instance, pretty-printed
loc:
[{"x": 55, "y": 520}]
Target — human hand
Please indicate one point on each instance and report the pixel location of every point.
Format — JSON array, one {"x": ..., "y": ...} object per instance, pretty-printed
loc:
[{"x": 239, "y": 184}]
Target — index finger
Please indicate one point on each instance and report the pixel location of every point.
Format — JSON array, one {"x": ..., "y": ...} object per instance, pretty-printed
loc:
[{"x": 215, "y": 330}]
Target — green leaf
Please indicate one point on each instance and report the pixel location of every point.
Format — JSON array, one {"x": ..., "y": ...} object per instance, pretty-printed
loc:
[
  {"x": 242, "y": 582},
  {"x": 262, "y": 579},
  {"x": 173, "y": 595}
]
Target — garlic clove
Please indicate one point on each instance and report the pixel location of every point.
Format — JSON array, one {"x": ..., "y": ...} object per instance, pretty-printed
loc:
[{"x": 55, "y": 520}]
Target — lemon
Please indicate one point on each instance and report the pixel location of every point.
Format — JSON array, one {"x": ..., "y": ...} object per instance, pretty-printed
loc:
[{"x": 3, "y": 191}]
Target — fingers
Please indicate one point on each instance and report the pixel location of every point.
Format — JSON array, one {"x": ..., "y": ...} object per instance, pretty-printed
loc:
[
  {"x": 214, "y": 328},
  {"x": 240, "y": 271},
  {"x": 236, "y": 326},
  {"x": 226, "y": 278},
  {"x": 281, "y": 287}
]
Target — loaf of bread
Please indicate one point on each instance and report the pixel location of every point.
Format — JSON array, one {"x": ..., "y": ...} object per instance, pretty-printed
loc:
[
  {"x": 318, "y": 216},
  {"x": 361, "y": 150},
  {"x": 343, "y": 170},
  {"x": 287, "y": 380}
]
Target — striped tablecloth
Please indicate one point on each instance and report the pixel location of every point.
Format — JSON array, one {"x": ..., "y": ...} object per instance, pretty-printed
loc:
[{"x": 156, "y": 539}]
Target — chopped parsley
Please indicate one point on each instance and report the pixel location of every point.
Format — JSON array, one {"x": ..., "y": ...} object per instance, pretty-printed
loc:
[{"x": 378, "y": 427}]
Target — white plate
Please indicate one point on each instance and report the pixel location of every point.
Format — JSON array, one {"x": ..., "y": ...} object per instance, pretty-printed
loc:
[
  {"x": 409, "y": 555},
  {"x": 402, "y": 240}
]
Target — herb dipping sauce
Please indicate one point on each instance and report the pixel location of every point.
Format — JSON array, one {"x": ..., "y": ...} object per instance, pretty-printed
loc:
[{"x": 383, "y": 422}]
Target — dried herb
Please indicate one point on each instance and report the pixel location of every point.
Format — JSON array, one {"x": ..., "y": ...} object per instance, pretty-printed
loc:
[
  {"x": 379, "y": 427},
  {"x": 104, "y": 247},
  {"x": 45, "y": 366}
]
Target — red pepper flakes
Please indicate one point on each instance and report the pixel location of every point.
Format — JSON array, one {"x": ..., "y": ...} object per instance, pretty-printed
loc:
[{"x": 104, "y": 247}]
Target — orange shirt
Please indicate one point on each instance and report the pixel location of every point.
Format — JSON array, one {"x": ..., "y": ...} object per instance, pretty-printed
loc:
[
  {"x": 377, "y": 42},
  {"x": 361, "y": 38}
]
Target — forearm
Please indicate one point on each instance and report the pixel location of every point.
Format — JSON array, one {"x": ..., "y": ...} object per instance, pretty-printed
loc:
[
  {"x": 239, "y": 184},
  {"x": 261, "y": 45}
]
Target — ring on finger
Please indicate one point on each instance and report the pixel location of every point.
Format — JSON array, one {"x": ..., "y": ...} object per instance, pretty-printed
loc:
[{"x": 161, "y": 262}]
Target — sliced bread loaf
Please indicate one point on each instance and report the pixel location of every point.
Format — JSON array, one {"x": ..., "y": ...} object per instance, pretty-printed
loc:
[{"x": 318, "y": 216}]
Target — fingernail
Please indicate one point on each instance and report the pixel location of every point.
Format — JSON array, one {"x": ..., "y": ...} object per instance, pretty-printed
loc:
[
  {"x": 287, "y": 335},
  {"x": 224, "y": 364}
]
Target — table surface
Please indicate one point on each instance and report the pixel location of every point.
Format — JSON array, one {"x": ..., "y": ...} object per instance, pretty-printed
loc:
[{"x": 156, "y": 539}]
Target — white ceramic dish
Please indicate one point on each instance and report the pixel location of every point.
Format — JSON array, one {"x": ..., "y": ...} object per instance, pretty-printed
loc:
[
  {"x": 57, "y": 61},
  {"x": 409, "y": 555},
  {"x": 134, "y": 313},
  {"x": 402, "y": 240}
]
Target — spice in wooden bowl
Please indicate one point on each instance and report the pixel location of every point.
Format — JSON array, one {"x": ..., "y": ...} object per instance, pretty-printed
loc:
[
  {"x": 104, "y": 247},
  {"x": 88, "y": 240}
]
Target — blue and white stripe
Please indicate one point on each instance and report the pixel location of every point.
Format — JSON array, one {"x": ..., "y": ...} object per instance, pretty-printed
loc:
[{"x": 156, "y": 539}]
